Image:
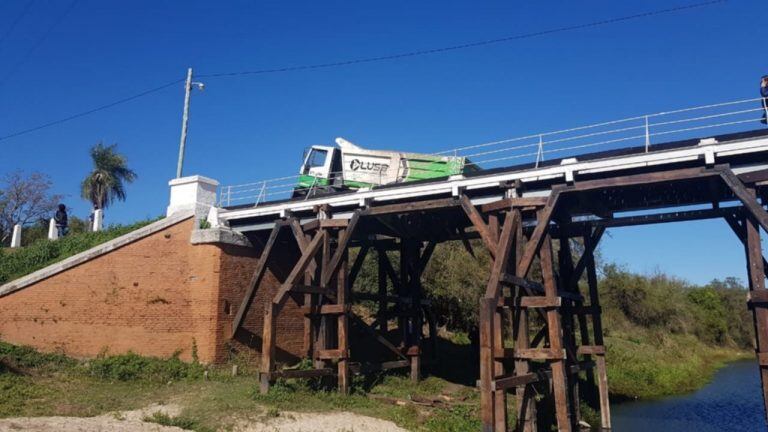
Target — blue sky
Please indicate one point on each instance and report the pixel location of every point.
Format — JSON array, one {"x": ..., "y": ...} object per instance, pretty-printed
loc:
[{"x": 253, "y": 127}]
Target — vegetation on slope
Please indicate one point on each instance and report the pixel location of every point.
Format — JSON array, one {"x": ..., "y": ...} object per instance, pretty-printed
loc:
[{"x": 15, "y": 263}]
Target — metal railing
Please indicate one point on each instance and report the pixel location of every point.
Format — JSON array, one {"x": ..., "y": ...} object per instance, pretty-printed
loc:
[{"x": 644, "y": 130}]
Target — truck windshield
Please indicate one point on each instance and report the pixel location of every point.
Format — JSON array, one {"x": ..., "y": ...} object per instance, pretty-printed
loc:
[{"x": 316, "y": 158}]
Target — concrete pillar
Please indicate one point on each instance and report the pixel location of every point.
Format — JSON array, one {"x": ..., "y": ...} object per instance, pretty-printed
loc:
[
  {"x": 16, "y": 237},
  {"x": 196, "y": 193},
  {"x": 98, "y": 218},
  {"x": 53, "y": 233}
]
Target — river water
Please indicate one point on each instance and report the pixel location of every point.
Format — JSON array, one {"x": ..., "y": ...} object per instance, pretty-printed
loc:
[{"x": 731, "y": 402}]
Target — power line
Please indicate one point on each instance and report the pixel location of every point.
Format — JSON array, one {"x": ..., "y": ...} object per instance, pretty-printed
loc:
[
  {"x": 91, "y": 111},
  {"x": 466, "y": 45},
  {"x": 16, "y": 21},
  {"x": 366, "y": 60},
  {"x": 38, "y": 43}
]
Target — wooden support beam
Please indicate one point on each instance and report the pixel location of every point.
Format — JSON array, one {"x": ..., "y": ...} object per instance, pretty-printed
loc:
[
  {"x": 597, "y": 328},
  {"x": 746, "y": 197},
  {"x": 302, "y": 373},
  {"x": 508, "y": 203},
  {"x": 477, "y": 221},
  {"x": 376, "y": 335},
  {"x": 309, "y": 289},
  {"x": 539, "y": 233},
  {"x": 578, "y": 270},
  {"x": 756, "y": 274},
  {"x": 741, "y": 233},
  {"x": 300, "y": 267},
  {"x": 341, "y": 249},
  {"x": 435, "y": 204},
  {"x": 327, "y": 354},
  {"x": 540, "y": 354},
  {"x": 358, "y": 264},
  {"x": 258, "y": 274},
  {"x": 559, "y": 378},
  {"x": 328, "y": 309},
  {"x": 540, "y": 302}
]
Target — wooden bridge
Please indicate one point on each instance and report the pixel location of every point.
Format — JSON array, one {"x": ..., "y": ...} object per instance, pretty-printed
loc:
[{"x": 540, "y": 330}]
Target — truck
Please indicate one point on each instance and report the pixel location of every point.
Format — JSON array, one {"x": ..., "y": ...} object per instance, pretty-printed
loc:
[{"x": 349, "y": 166}]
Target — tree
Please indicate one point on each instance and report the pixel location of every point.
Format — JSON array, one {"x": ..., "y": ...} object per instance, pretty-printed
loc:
[
  {"x": 106, "y": 183},
  {"x": 24, "y": 200}
]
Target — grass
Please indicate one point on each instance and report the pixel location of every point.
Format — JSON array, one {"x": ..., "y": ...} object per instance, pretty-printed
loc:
[
  {"x": 17, "y": 263},
  {"x": 38, "y": 384},
  {"x": 646, "y": 364}
]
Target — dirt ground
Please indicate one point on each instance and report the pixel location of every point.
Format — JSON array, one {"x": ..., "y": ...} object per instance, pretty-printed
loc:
[{"x": 132, "y": 421}]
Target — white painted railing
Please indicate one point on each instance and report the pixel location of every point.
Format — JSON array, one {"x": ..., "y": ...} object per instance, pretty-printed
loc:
[{"x": 639, "y": 131}]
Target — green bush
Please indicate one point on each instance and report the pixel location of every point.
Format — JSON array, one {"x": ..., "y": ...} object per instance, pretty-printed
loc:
[
  {"x": 26, "y": 358},
  {"x": 131, "y": 366},
  {"x": 41, "y": 253}
]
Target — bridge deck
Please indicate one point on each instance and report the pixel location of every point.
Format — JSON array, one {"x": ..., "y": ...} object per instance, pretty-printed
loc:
[{"x": 744, "y": 152}]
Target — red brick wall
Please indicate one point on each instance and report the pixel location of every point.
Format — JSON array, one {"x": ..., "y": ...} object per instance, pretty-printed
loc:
[{"x": 155, "y": 296}]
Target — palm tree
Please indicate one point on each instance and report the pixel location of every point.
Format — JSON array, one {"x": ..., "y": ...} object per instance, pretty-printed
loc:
[{"x": 106, "y": 183}]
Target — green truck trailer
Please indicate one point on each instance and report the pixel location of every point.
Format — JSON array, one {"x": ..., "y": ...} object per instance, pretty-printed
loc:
[{"x": 349, "y": 166}]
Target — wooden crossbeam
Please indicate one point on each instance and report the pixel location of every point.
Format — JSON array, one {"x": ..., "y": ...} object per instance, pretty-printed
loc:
[
  {"x": 258, "y": 274},
  {"x": 300, "y": 267},
  {"x": 311, "y": 289},
  {"x": 477, "y": 221},
  {"x": 540, "y": 353},
  {"x": 379, "y": 337},
  {"x": 508, "y": 203},
  {"x": 358, "y": 264},
  {"x": 539, "y": 233},
  {"x": 408, "y": 207},
  {"x": 589, "y": 249},
  {"x": 749, "y": 200},
  {"x": 341, "y": 249},
  {"x": 540, "y": 302},
  {"x": 329, "y": 309}
]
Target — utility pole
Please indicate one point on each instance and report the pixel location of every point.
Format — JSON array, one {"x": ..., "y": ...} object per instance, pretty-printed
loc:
[{"x": 185, "y": 118}]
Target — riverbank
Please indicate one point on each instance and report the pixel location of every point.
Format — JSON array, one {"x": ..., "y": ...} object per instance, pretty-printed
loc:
[{"x": 648, "y": 365}]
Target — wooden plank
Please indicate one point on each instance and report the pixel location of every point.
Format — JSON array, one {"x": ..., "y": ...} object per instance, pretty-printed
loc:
[
  {"x": 307, "y": 373},
  {"x": 528, "y": 284},
  {"x": 258, "y": 274},
  {"x": 342, "y": 322},
  {"x": 508, "y": 203},
  {"x": 327, "y": 354},
  {"x": 328, "y": 309},
  {"x": 507, "y": 382},
  {"x": 597, "y": 326},
  {"x": 540, "y": 302},
  {"x": 477, "y": 221},
  {"x": 334, "y": 223},
  {"x": 487, "y": 413},
  {"x": 540, "y": 354},
  {"x": 310, "y": 289},
  {"x": 411, "y": 207}
]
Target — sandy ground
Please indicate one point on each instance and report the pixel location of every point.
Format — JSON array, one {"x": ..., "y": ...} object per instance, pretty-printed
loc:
[{"x": 131, "y": 421}]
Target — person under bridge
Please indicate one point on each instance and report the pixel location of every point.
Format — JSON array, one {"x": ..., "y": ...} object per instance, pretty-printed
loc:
[{"x": 764, "y": 94}]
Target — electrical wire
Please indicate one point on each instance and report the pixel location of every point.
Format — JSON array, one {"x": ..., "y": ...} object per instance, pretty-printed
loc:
[
  {"x": 465, "y": 45},
  {"x": 38, "y": 43},
  {"x": 361, "y": 60},
  {"x": 16, "y": 21},
  {"x": 91, "y": 111}
]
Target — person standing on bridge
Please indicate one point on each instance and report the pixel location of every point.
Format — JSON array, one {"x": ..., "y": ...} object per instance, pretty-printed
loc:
[
  {"x": 62, "y": 224},
  {"x": 764, "y": 94}
]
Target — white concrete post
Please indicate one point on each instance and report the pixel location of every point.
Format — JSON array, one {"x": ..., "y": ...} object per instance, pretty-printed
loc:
[
  {"x": 98, "y": 217},
  {"x": 53, "y": 233},
  {"x": 196, "y": 193},
  {"x": 16, "y": 237}
]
